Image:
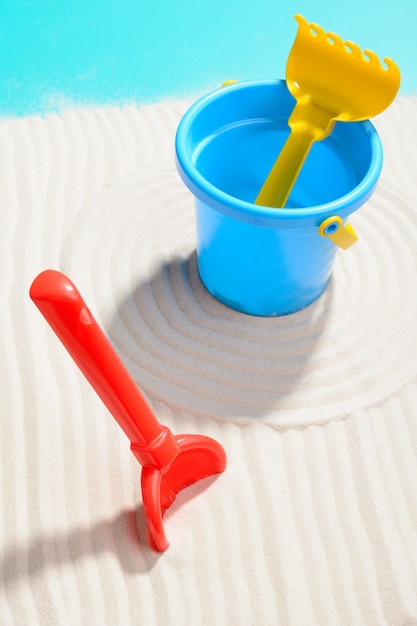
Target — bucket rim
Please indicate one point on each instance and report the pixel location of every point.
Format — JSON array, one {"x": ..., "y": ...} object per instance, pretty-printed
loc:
[{"x": 247, "y": 211}]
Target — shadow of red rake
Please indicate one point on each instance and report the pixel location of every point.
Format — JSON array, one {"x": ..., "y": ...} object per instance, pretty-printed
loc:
[{"x": 169, "y": 463}]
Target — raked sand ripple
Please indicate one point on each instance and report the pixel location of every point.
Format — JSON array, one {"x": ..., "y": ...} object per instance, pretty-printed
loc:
[
  {"x": 315, "y": 520},
  {"x": 352, "y": 348}
]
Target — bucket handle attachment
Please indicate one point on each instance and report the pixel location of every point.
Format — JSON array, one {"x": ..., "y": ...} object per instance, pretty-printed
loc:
[{"x": 343, "y": 236}]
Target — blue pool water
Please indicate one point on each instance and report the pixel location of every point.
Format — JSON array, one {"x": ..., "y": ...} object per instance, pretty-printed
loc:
[{"x": 56, "y": 54}]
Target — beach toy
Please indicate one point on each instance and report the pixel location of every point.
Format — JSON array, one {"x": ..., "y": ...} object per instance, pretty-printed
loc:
[
  {"x": 252, "y": 258},
  {"x": 169, "y": 462},
  {"x": 331, "y": 80}
]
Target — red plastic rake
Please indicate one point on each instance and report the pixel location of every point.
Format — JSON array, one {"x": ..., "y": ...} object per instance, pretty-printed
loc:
[{"x": 169, "y": 463}]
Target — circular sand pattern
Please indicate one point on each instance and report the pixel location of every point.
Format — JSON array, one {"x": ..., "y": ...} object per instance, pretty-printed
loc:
[{"x": 352, "y": 348}]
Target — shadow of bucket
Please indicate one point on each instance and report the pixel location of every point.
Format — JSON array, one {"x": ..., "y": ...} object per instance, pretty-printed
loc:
[{"x": 261, "y": 260}]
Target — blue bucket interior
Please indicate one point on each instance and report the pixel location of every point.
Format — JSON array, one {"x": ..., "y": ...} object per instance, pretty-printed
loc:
[{"x": 229, "y": 140}]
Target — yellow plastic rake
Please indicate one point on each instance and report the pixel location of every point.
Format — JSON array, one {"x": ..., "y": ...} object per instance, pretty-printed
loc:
[{"x": 331, "y": 80}]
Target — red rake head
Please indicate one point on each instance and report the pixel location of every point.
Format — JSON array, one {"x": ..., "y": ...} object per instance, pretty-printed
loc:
[{"x": 198, "y": 457}]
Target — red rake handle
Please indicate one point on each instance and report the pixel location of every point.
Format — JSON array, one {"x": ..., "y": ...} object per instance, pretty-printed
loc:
[{"x": 62, "y": 306}]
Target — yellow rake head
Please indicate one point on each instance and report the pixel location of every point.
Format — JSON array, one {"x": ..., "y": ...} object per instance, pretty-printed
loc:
[{"x": 337, "y": 76}]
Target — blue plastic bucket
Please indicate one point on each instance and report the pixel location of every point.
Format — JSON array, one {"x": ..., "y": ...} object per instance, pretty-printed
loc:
[{"x": 261, "y": 260}]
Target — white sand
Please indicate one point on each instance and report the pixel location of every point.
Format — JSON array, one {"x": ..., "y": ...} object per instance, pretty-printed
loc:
[{"x": 315, "y": 519}]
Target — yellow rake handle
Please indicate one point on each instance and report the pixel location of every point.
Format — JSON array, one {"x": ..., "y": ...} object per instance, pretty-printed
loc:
[{"x": 308, "y": 124}]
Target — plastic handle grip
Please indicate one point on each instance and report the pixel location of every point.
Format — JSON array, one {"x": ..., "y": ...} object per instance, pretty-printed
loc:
[{"x": 66, "y": 312}]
